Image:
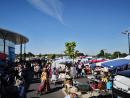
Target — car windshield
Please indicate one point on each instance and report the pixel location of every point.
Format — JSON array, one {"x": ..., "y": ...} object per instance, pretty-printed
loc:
[{"x": 125, "y": 73}]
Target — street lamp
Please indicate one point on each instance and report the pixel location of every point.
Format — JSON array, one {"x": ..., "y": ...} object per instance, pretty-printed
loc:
[{"x": 127, "y": 33}]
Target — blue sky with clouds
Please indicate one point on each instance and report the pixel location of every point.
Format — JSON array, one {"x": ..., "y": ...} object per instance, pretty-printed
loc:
[{"x": 93, "y": 24}]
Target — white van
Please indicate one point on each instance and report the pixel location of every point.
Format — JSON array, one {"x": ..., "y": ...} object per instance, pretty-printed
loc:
[{"x": 121, "y": 81}]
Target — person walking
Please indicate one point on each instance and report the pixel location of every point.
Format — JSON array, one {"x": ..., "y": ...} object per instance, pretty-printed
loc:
[
  {"x": 54, "y": 75},
  {"x": 42, "y": 88},
  {"x": 36, "y": 70},
  {"x": 73, "y": 72}
]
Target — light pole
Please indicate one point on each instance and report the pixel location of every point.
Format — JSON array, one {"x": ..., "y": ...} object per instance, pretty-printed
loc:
[{"x": 127, "y": 33}]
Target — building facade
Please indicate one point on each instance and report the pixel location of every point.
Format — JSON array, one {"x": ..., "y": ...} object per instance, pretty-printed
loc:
[{"x": 8, "y": 40}]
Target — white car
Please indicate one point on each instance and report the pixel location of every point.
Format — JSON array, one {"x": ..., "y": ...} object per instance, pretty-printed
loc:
[{"x": 122, "y": 81}]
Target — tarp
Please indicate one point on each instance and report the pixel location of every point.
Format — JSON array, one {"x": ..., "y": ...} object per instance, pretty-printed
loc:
[
  {"x": 61, "y": 63},
  {"x": 116, "y": 63},
  {"x": 93, "y": 66},
  {"x": 127, "y": 57},
  {"x": 97, "y": 60},
  {"x": 96, "y": 64}
]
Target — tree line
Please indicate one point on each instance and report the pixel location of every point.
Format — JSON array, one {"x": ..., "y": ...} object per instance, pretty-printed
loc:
[{"x": 73, "y": 53}]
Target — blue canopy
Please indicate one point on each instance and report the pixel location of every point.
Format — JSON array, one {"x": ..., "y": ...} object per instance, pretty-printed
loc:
[
  {"x": 93, "y": 65},
  {"x": 115, "y": 63}
]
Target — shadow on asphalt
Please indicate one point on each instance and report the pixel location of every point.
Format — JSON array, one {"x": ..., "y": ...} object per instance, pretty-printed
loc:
[
  {"x": 35, "y": 97},
  {"x": 54, "y": 90},
  {"x": 30, "y": 90},
  {"x": 35, "y": 81},
  {"x": 38, "y": 81}
]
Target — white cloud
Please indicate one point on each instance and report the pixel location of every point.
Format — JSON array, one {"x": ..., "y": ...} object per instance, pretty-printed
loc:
[{"x": 53, "y": 8}]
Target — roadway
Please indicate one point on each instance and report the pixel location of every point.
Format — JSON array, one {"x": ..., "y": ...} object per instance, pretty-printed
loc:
[{"x": 55, "y": 92}]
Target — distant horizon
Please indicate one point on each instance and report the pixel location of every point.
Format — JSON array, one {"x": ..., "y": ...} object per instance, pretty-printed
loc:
[{"x": 64, "y": 53}]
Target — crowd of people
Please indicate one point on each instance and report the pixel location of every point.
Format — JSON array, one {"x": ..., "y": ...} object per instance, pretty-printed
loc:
[
  {"x": 99, "y": 79},
  {"x": 13, "y": 80},
  {"x": 15, "y": 76}
]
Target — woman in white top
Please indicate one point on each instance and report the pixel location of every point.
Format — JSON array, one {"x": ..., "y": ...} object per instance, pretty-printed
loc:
[{"x": 54, "y": 75}]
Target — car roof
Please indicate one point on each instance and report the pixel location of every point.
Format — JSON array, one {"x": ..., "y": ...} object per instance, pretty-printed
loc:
[{"x": 124, "y": 73}]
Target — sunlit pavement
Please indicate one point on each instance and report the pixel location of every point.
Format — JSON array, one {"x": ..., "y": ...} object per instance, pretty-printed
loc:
[{"x": 55, "y": 91}]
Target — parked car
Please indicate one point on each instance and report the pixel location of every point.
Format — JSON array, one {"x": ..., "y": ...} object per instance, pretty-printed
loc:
[{"x": 121, "y": 81}]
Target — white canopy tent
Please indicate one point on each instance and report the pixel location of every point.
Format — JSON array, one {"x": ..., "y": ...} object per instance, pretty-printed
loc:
[
  {"x": 127, "y": 57},
  {"x": 61, "y": 63}
]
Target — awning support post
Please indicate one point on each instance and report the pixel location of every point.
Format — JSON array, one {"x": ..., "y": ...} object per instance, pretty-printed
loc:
[
  {"x": 21, "y": 46},
  {"x": 24, "y": 52}
]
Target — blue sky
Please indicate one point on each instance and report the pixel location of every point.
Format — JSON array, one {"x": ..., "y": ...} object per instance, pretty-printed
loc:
[{"x": 93, "y": 24}]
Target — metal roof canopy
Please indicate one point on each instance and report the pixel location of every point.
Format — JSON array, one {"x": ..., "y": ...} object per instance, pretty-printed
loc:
[{"x": 13, "y": 36}]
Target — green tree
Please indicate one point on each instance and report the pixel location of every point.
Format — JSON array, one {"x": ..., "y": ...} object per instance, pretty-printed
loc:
[
  {"x": 123, "y": 54},
  {"x": 77, "y": 54},
  {"x": 116, "y": 54},
  {"x": 70, "y": 49},
  {"x": 30, "y": 54},
  {"x": 108, "y": 55},
  {"x": 52, "y": 56},
  {"x": 40, "y": 55},
  {"x": 101, "y": 54}
]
